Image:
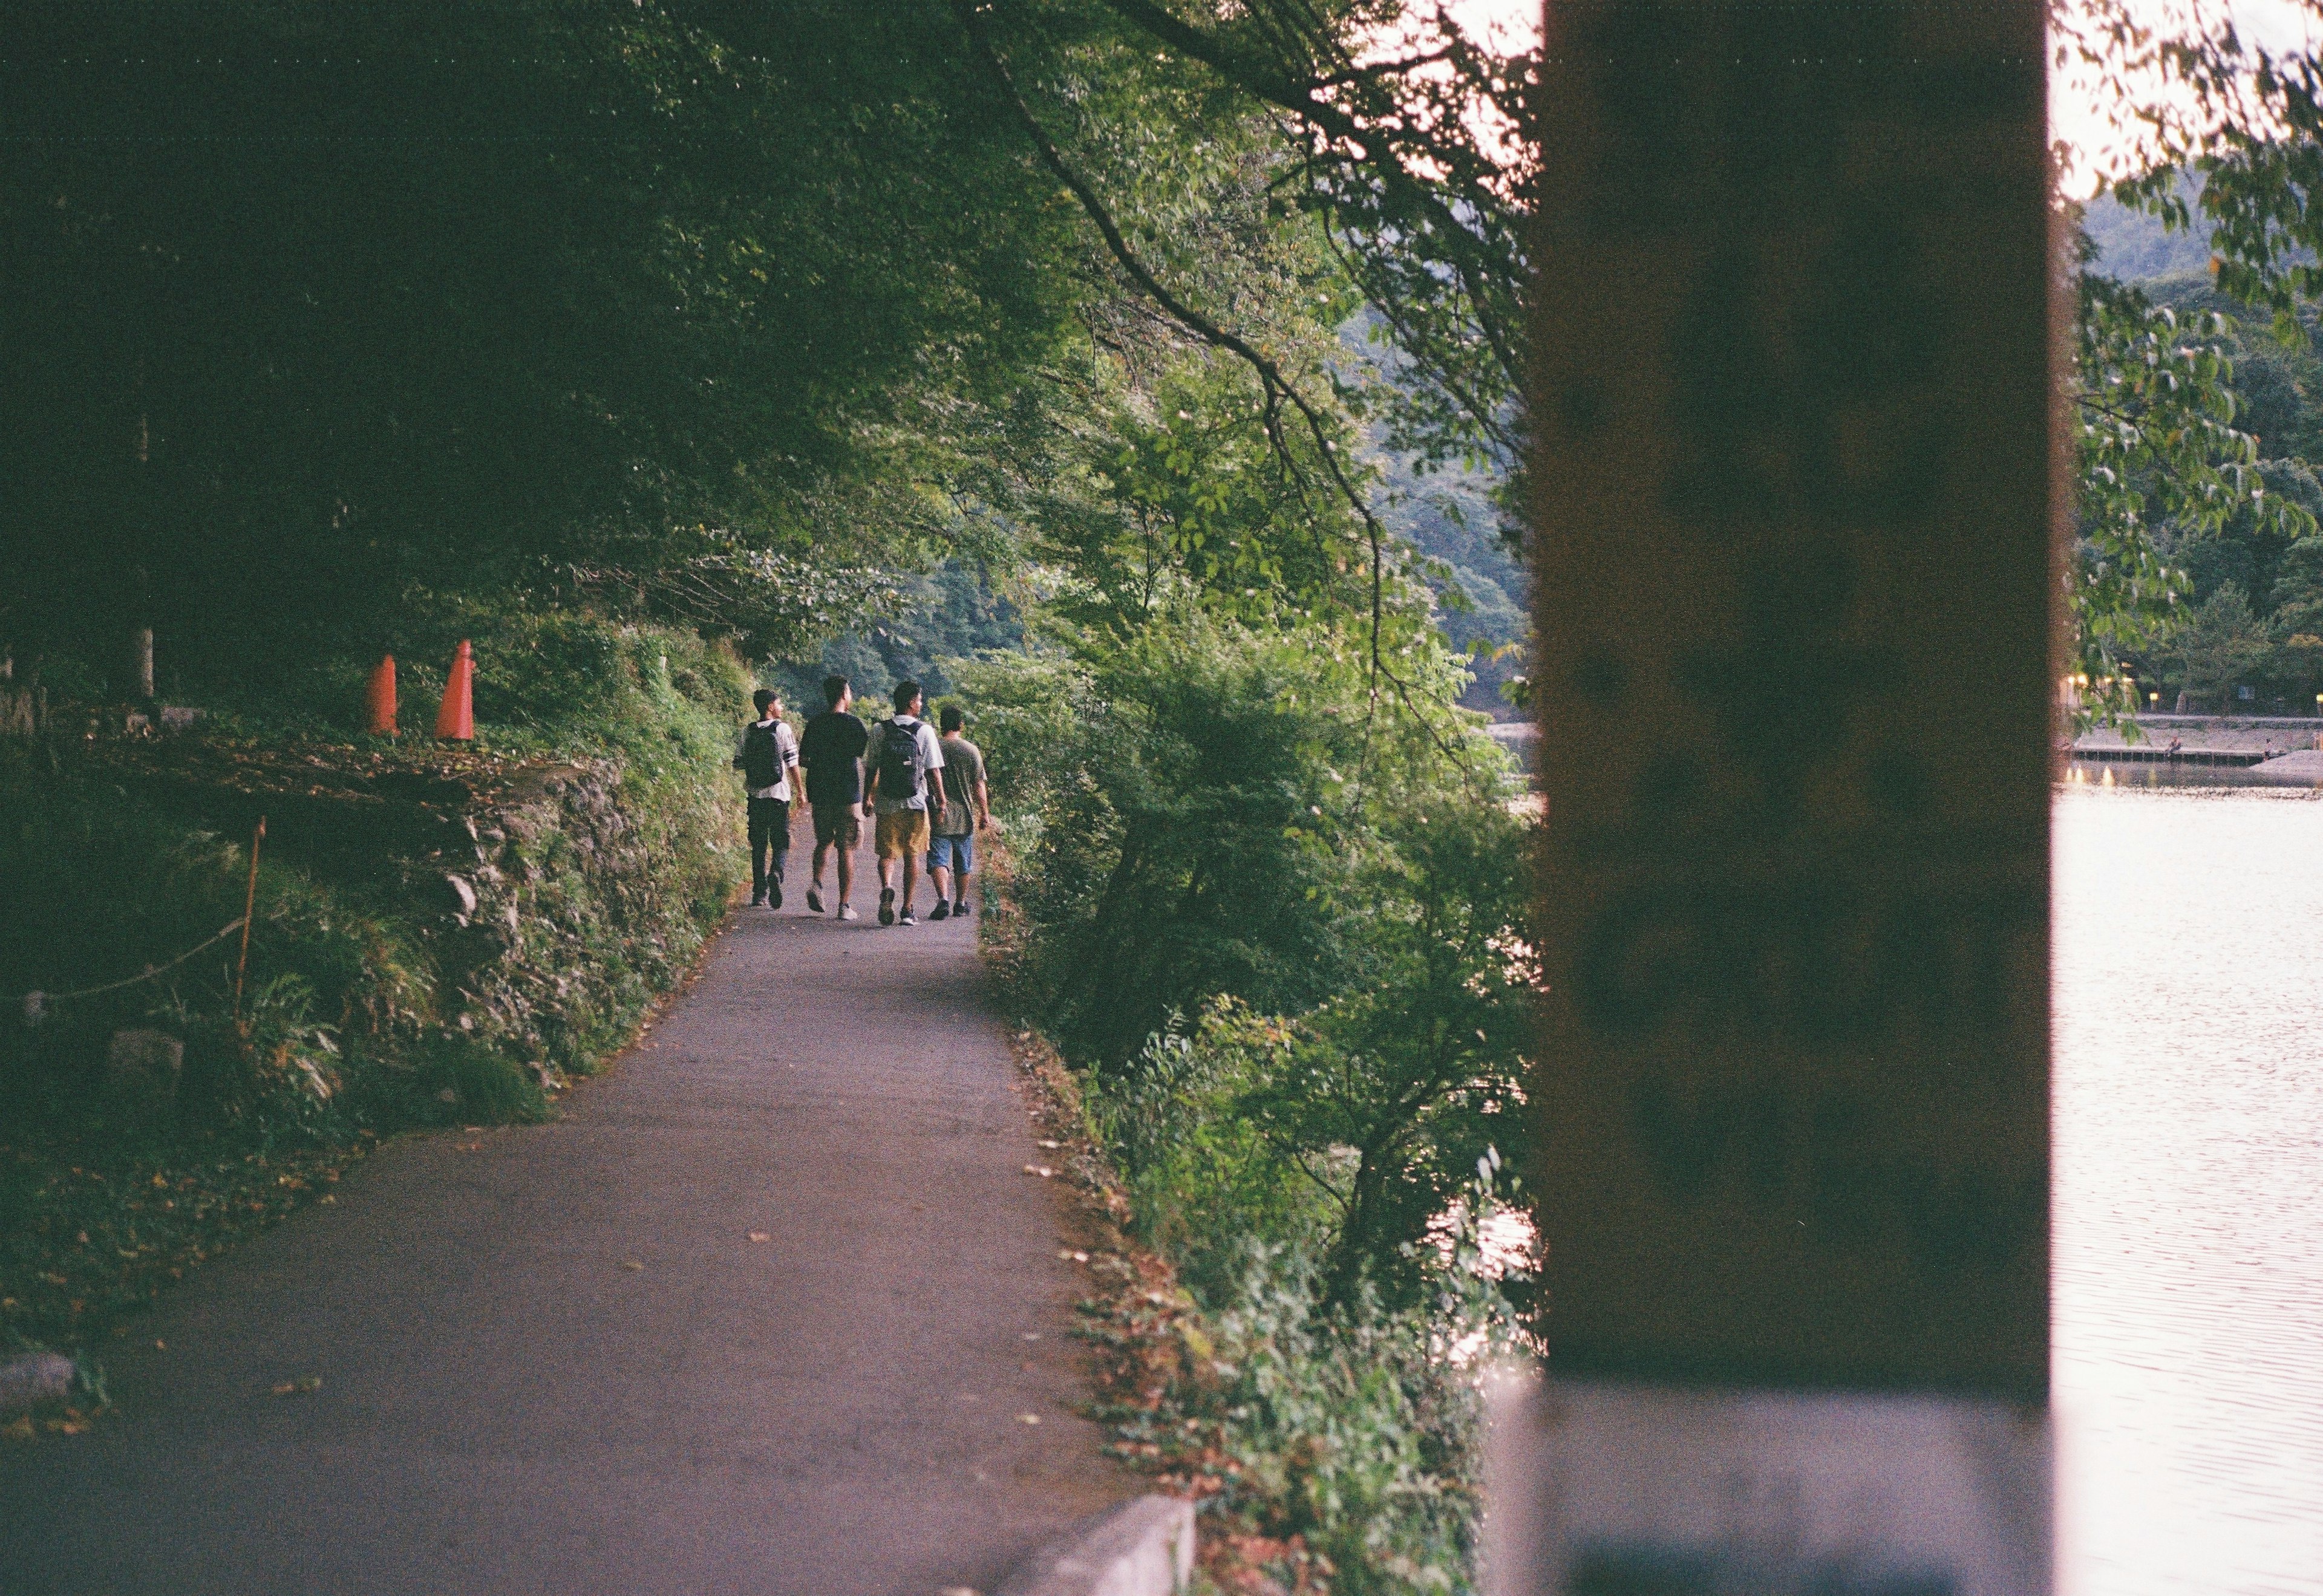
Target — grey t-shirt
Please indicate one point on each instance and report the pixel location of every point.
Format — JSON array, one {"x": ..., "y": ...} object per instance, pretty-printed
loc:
[
  {"x": 925, "y": 757},
  {"x": 963, "y": 767}
]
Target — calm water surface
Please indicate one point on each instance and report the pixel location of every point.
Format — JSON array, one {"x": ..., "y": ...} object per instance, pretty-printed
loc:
[{"x": 2188, "y": 1266}]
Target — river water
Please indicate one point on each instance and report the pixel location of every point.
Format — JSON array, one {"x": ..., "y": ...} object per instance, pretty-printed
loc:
[{"x": 2189, "y": 1125}]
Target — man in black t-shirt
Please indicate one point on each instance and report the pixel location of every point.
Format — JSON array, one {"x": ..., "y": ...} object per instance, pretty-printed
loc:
[{"x": 831, "y": 749}]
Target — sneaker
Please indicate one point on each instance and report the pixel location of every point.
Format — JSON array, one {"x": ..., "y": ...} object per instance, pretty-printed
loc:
[
  {"x": 888, "y": 905},
  {"x": 908, "y": 919},
  {"x": 774, "y": 894},
  {"x": 846, "y": 912},
  {"x": 943, "y": 910},
  {"x": 757, "y": 899},
  {"x": 814, "y": 900},
  {"x": 960, "y": 908}
]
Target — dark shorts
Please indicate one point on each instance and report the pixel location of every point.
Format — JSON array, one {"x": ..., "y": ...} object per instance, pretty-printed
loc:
[
  {"x": 838, "y": 823},
  {"x": 953, "y": 853}
]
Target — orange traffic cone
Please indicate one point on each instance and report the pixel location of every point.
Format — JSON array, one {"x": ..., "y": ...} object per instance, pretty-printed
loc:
[
  {"x": 457, "y": 720},
  {"x": 379, "y": 698}
]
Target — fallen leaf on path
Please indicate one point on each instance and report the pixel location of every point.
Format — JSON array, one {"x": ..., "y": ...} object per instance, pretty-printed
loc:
[
  {"x": 1051, "y": 1146},
  {"x": 1072, "y": 1256},
  {"x": 1028, "y": 1418},
  {"x": 760, "y": 1235},
  {"x": 957, "y": 1590},
  {"x": 1042, "y": 1170},
  {"x": 1030, "y": 1335},
  {"x": 631, "y": 1263},
  {"x": 303, "y": 1383}
]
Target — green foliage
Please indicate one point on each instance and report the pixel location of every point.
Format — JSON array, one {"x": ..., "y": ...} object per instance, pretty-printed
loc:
[
  {"x": 668, "y": 291},
  {"x": 367, "y": 1007},
  {"x": 1201, "y": 830},
  {"x": 1221, "y": 821},
  {"x": 953, "y": 613},
  {"x": 1345, "y": 1430},
  {"x": 1341, "y": 1421},
  {"x": 1204, "y": 1179},
  {"x": 2216, "y": 648},
  {"x": 2170, "y": 437},
  {"x": 2157, "y": 448}
]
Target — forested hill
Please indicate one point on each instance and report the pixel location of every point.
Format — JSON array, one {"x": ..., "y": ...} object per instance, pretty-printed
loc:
[
  {"x": 1483, "y": 594},
  {"x": 2134, "y": 246}
]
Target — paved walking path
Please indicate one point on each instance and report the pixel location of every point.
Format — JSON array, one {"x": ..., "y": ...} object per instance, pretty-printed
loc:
[{"x": 508, "y": 1404}]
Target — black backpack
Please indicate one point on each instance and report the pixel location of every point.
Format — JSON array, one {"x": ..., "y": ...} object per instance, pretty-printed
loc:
[
  {"x": 762, "y": 760},
  {"x": 897, "y": 744}
]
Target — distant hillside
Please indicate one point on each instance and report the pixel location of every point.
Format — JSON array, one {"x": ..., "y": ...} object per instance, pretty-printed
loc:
[
  {"x": 1448, "y": 517},
  {"x": 2133, "y": 246}
]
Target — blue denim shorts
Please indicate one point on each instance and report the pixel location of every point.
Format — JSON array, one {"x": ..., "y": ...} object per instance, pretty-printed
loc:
[{"x": 953, "y": 853}]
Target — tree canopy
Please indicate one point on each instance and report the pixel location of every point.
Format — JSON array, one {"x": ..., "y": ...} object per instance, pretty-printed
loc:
[{"x": 717, "y": 312}]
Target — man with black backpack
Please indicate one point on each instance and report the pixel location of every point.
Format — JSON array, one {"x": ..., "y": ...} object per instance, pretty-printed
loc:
[
  {"x": 766, "y": 757},
  {"x": 904, "y": 754}
]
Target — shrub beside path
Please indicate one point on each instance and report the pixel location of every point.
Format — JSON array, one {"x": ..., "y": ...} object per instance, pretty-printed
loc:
[{"x": 555, "y": 1358}]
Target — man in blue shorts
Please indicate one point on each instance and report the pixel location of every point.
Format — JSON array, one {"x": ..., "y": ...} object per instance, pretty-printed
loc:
[{"x": 967, "y": 810}]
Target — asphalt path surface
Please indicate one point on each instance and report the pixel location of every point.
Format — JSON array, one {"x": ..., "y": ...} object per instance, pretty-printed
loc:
[{"x": 553, "y": 1359}]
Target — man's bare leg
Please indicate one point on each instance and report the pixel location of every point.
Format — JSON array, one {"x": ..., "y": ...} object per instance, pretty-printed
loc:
[{"x": 911, "y": 881}]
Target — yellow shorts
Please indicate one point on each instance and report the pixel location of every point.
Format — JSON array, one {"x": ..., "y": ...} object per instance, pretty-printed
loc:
[{"x": 901, "y": 835}]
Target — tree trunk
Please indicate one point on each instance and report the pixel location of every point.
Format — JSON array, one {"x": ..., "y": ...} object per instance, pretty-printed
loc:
[{"x": 141, "y": 663}]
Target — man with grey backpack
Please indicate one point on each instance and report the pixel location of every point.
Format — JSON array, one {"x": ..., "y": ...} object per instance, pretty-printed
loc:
[{"x": 903, "y": 756}]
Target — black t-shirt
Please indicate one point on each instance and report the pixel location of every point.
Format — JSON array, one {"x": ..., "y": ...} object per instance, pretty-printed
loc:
[{"x": 832, "y": 752}]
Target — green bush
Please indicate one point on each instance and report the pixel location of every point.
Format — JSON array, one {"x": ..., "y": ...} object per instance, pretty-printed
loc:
[
  {"x": 1204, "y": 1181},
  {"x": 1349, "y": 1424},
  {"x": 1221, "y": 820},
  {"x": 1229, "y": 826},
  {"x": 1201, "y": 820}
]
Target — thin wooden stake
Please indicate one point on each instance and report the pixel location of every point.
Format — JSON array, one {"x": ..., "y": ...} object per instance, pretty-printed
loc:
[{"x": 249, "y": 907}]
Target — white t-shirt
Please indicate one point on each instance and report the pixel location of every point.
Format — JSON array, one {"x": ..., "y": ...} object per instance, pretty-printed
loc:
[
  {"x": 785, "y": 758},
  {"x": 926, "y": 757}
]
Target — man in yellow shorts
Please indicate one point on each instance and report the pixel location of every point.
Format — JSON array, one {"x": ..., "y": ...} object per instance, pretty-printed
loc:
[{"x": 904, "y": 753}]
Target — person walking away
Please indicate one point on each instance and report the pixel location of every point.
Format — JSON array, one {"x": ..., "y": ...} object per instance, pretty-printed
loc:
[
  {"x": 767, "y": 756},
  {"x": 903, "y": 756},
  {"x": 967, "y": 810},
  {"x": 832, "y": 751}
]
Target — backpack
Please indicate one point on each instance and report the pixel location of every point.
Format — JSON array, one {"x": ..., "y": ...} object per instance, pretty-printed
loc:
[
  {"x": 898, "y": 743},
  {"x": 762, "y": 760}
]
